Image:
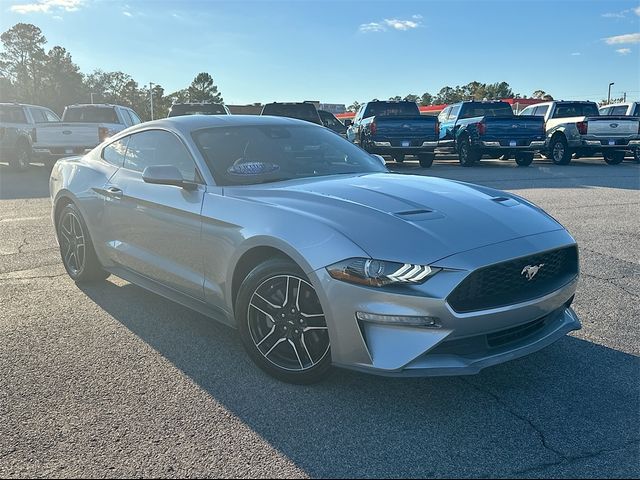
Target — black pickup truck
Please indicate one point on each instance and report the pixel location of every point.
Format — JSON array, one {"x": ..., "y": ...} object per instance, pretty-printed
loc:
[
  {"x": 396, "y": 129},
  {"x": 472, "y": 129}
]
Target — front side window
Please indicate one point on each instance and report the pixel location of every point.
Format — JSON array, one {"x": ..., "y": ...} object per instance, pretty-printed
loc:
[
  {"x": 444, "y": 115},
  {"x": 268, "y": 153},
  {"x": 454, "y": 112},
  {"x": 159, "y": 147},
  {"x": 114, "y": 152},
  {"x": 541, "y": 111}
]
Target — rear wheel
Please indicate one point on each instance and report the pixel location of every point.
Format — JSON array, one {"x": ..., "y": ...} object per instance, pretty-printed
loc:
[
  {"x": 21, "y": 158},
  {"x": 636, "y": 155},
  {"x": 78, "y": 256},
  {"x": 282, "y": 324},
  {"x": 398, "y": 157},
  {"x": 524, "y": 159},
  {"x": 560, "y": 154},
  {"x": 467, "y": 155},
  {"x": 426, "y": 159},
  {"x": 613, "y": 158}
]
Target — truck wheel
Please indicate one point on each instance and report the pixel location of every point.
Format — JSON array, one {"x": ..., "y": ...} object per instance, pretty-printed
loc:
[
  {"x": 467, "y": 155},
  {"x": 426, "y": 159},
  {"x": 613, "y": 158},
  {"x": 636, "y": 155},
  {"x": 524, "y": 159},
  {"x": 398, "y": 157},
  {"x": 22, "y": 157},
  {"x": 560, "y": 154}
]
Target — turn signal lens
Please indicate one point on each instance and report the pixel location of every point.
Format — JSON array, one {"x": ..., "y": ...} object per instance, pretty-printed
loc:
[
  {"x": 409, "y": 321},
  {"x": 378, "y": 273}
]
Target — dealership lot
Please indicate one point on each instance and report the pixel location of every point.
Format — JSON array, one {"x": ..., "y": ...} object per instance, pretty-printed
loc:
[{"x": 109, "y": 380}]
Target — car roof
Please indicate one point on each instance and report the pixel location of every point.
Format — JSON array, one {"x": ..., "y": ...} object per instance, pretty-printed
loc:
[
  {"x": 75, "y": 105},
  {"x": 621, "y": 104},
  {"x": 12, "y": 104},
  {"x": 189, "y": 123}
]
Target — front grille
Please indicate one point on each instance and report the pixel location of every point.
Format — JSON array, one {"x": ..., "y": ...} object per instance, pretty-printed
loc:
[{"x": 506, "y": 283}]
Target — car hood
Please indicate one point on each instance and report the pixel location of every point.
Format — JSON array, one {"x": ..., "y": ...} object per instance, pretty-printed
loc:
[{"x": 406, "y": 218}]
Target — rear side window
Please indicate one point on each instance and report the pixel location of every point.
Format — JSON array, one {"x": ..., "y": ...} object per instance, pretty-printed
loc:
[
  {"x": 11, "y": 114},
  {"x": 38, "y": 115},
  {"x": 134, "y": 117},
  {"x": 605, "y": 111},
  {"x": 114, "y": 152},
  {"x": 158, "y": 147},
  {"x": 620, "y": 110},
  {"x": 91, "y": 114},
  {"x": 541, "y": 111}
]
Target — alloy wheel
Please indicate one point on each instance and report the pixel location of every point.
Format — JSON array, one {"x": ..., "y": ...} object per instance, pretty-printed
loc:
[
  {"x": 558, "y": 151},
  {"x": 72, "y": 243},
  {"x": 286, "y": 323}
]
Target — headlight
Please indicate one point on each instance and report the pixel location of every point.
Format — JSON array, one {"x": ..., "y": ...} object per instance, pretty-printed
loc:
[{"x": 377, "y": 273}]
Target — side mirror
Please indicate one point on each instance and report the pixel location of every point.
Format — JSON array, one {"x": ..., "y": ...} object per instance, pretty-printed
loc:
[
  {"x": 166, "y": 175},
  {"x": 348, "y": 122},
  {"x": 380, "y": 158}
]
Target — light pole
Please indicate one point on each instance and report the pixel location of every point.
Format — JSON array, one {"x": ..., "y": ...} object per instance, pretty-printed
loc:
[
  {"x": 609, "y": 94},
  {"x": 151, "y": 97},
  {"x": 92, "y": 94}
]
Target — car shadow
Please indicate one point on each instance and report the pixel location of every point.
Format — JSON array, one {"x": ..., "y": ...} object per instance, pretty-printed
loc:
[{"x": 572, "y": 399}]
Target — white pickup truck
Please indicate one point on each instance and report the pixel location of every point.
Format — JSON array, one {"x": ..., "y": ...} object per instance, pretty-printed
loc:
[
  {"x": 578, "y": 128},
  {"x": 32, "y": 132},
  {"x": 629, "y": 109}
]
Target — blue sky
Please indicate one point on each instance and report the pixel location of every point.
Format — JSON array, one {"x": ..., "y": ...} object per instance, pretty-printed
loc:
[{"x": 340, "y": 51}]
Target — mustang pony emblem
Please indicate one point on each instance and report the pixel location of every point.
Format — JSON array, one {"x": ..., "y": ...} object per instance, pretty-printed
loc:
[{"x": 531, "y": 270}]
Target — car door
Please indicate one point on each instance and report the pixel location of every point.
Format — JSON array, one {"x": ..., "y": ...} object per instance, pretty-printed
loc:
[{"x": 155, "y": 229}]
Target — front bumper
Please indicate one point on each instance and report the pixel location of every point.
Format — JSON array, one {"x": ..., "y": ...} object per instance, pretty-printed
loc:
[{"x": 461, "y": 344}]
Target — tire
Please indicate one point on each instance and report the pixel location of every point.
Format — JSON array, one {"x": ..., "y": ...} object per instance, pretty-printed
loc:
[
  {"x": 426, "y": 159},
  {"x": 398, "y": 157},
  {"x": 467, "y": 155},
  {"x": 524, "y": 159},
  {"x": 281, "y": 323},
  {"x": 76, "y": 249},
  {"x": 20, "y": 160},
  {"x": 613, "y": 158},
  {"x": 559, "y": 151},
  {"x": 636, "y": 155}
]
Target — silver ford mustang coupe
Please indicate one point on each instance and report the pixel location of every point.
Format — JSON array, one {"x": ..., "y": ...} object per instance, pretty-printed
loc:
[{"x": 316, "y": 253}]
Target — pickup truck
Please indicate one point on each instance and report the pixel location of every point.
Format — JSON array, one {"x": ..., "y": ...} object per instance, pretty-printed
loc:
[
  {"x": 178, "y": 109},
  {"x": 330, "y": 121},
  {"x": 473, "y": 129},
  {"x": 629, "y": 109},
  {"x": 396, "y": 129},
  {"x": 577, "y": 128},
  {"x": 32, "y": 132},
  {"x": 301, "y": 110},
  {"x": 110, "y": 119}
]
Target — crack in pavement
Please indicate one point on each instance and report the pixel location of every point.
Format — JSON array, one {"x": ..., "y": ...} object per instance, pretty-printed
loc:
[
  {"x": 573, "y": 459},
  {"x": 609, "y": 256},
  {"x": 29, "y": 278},
  {"x": 610, "y": 282},
  {"x": 564, "y": 459}
]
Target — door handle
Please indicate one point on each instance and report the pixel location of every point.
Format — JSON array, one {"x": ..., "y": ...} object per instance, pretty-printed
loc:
[{"x": 114, "y": 192}]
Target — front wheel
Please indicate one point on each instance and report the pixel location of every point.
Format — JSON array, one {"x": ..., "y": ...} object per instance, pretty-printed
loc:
[
  {"x": 467, "y": 155},
  {"x": 21, "y": 158},
  {"x": 282, "y": 324},
  {"x": 426, "y": 159},
  {"x": 524, "y": 159},
  {"x": 78, "y": 256},
  {"x": 613, "y": 158}
]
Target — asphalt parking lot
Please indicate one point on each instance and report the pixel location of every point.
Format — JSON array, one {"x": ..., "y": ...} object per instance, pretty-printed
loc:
[{"x": 111, "y": 381}]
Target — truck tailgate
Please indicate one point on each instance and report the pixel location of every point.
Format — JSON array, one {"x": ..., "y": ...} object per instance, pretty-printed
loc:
[
  {"x": 612, "y": 126},
  {"x": 521, "y": 129},
  {"x": 406, "y": 128},
  {"x": 67, "y": 135}
]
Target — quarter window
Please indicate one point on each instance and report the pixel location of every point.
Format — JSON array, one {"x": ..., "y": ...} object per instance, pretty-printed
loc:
[
  {"x": 620, "y": 110},
  {"x": 114, "y": 152},
  {"x": 541, "y": 111},
  {"x": 159, "y": 147}
]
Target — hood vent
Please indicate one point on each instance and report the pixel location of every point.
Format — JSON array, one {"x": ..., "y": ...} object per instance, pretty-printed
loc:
[
  {"x": 507, "y": 202},
  {"x": 413, "y": 212}
]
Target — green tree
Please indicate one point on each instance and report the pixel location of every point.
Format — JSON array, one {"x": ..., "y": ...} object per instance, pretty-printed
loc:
[
  {"x": 426, "y": 99},
  {"x": 63, "y": 82},
  {"x": 22, "y": 60},
  {"x": 448, "y": 95},
  {"x": 202, "y": 89},
  {"x": 412, "y": 98},
  {"x": 354, "y": 107},
  {"x": 539, "y": 94},
  {"x": 397, "y": 98}
]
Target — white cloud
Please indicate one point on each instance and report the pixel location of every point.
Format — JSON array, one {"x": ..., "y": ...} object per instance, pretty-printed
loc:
[
  {"x": 127, "y": 14},
  {"x": 47, "y": 6},
  {"x": 627, "y": 38},
  {"x": 371, "y": 27},
  {"x": 614, "y": 15},
  {"x": 637, "y": 10},
  {"x": 576, "y": 54},
  {"x": 623, "y": 51},
  {"x": 401, "y": 24},
  {"x": 416, "y": 17}
]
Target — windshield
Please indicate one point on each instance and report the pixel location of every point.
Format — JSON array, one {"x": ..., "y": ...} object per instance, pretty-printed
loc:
[
  {"x": 198, "y": 109},
  {"x": 391, "y": 108},
  {"x": 269, "y": 153},
  {"x": 302, "y": 111},
  {"x": 487, "y": 110},
  {"x": 91, "y": 115}
]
